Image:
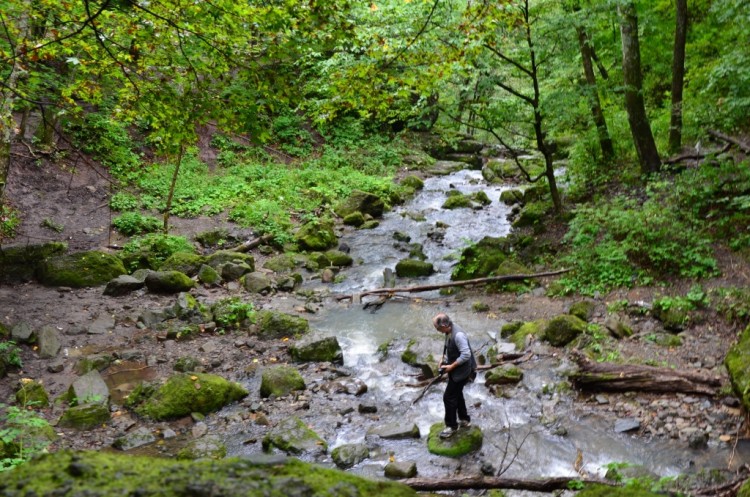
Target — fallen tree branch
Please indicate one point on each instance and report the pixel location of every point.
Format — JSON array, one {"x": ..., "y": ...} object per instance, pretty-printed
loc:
[
  {"x": 734, "y": 141},
  {"x": 695, "y": 155},
  {"x": 487, "y": 482},
  {"x": 437, "y": 286},
  {"x": 251, "y": 244},
  {"x": 601, "y": 376}
]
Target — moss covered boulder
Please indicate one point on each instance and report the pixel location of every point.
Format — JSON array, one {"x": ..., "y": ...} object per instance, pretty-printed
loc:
[
  {"x": 463, "y": 442},
  {"x": 184, "y": 262},
  {"x": 412, "y": 181},
  {"x": 273, "y": 324},
  {"x": 104, "y": 474},
  {"x": 418, "y": 353},
  {"x": 413, "y": 268},
  {"x": 184, "y": 394},
  {"x": 80, "y": 270},
  {"x": 482, "y": 259},
  {"x": 737, "y": 362},
  {"x": 527, "y": 331},
  {"x": 209, "y": 447},
  {"x": 280, "y": 380},
  {"x": 531, "y": 215},
  {"x": 32, "y": 393},
  {"x": 610, "y": 491},
  {"x": 359, "y": 201},
  {"x": 222, "y": 257},
  {"x": 168, "y": 282},
  {"x": 316, "y": 235},
  {"x": 348, "y": 455},
  {"x": 338, "y": 258},
  {"x": 18, "y": 264},
  {"x": 506, "y": 375},
  {"x": 85, "y": 416},
  {"x": 325, "y": 350},
  {"x": 456, "y": 201},
  {"x": 563, "y": 329},
  {"x": 583, "y": 309},
  {"x": 293, "y": 436}
]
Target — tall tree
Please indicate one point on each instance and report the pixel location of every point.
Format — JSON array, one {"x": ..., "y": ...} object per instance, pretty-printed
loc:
[
  {"x": 678, "y": 75},
  {"x": 640, "y": 127}
]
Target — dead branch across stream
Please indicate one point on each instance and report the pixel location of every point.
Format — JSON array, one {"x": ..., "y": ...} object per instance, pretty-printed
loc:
[
  {"x": 438, "y": 286},
  {"x": 602, "y": 376},
  {"x": 487, "y": 482}
]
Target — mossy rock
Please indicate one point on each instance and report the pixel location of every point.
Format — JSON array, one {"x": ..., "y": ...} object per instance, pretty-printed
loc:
[
  {"x": 103, "y": 474},
  {"x": 506, "y": 375},
  {"x": 359, "y": 201},
  {"x": 413, "y": 268},
  {"x": 184, "y": 394},
  {"x": 417, "y": 355},
  {"x": 563, "y": 329},
  {"x": 184, "y": 262},
  {"x": 529, "y": 328},
  {"x": 412, "y": 181},
  {"x": 32, "y": 393},
  {"x": 210, "y": 447},
  {"x": 737, "y": 362},
  {"x": 346, "y": 456},
  {"x": 531, "y": 214},
  {"x": 80, "y": 270},
  {"x": 294, "y": 437},
  {"x": 316, "y": 236},
  {"x": 509, "y": 328},
  {"x": 280, "y": 380},
  {"x": 273, "y": 324},
  {"x": 461, "y": 443},
  {"x": 511, "y": 197},
  {"x": 338, "y": 258},
  {"x": 214, "y": 238},
  {"x": 511, "y": 267},
  {"x": 481, "y": 198},
  {"x": 168, "y": 282},
  {"x": 355, "y": 219},
  {"x": 281, "y": 263},
  {"x": 609, "y": 491},
  {"x": 673, "y": 318},
  {"x": 583, "y": 309},
  {"x": 221, "y": 257},
  {"x": 208, "y": 275},
  {"x": 325, "y": 350},
  {"x": 457, "y": 201},
  {"x": 85, "y": 416},
  {"x": 482, "y": 258},
  {"x": 19, "y": 264}
]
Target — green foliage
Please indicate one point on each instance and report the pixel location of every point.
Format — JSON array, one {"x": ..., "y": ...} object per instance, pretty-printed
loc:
[
  {"x": 134, "y": 223},
  {"x": 158, "y": 246},
  {"x": 9, "y": 222},
  {"x": 19, "y": 436},
  {"x": 290, "y": 132},
  {"x": 124, "y": 201},
  {"x": 109, "y": 142},
  {"x": 10, "y": 354},
  {"x": 232, "y": 312},
  {"x": 732, "y": 303}
]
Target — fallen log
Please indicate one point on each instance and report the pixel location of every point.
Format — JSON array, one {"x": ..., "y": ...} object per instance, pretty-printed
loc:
[
  {"x": 734, "y": 141},
  {"x": 602, "y": 376},
  {"x": 489, "y": 482},
  {"x": 438, "y": 286},
  {"x": 251, "y": 244}
]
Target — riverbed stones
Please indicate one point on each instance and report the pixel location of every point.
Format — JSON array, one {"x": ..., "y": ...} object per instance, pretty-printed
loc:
[
  {"x": 281, "y": 380},
  {"x": 168, "y": 282},
  {"x": 294, "y": 437},
  {"x": 18, "y": 264},
  {"x": 32, "y": 393},
  {"x": 84, "y": 416},
  {"x": 22, "y": 332},
  {"x": 505, "y": 375},
  {"x": 316, "y": 235},
  {"x": 133, "y": 439},
  {"x": 400, "y": 469},
  {"x": 461, "y": 443},
  {"x": 122, "y": 285},
  {"x": 349, "y": 455},
  {"x": 89, "y": 388}
]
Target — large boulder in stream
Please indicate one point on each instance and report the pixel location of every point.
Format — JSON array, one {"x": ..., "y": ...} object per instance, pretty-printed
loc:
[
  {"x": 316, "y": 236},
  {"x": 184, "y": 394},
  {"x": 563, "y": 329},
  {"x": 359, "y": 201},
  {"x": 413, "y": 268},
  {"x": 80, "y": 270},
  {"x": 348, "y": 455},
  {"x": 326, "y": 350},
  {"x": 272, "y": 324},
  {"x": 461, "y": 443},
  {"x": 294, "y": 437},
  {"x": 103, "y": 474}
]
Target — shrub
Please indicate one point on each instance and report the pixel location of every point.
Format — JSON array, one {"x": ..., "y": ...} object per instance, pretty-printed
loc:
[
  {"x": 156, "y": 248},
  {"x": 133, "y": 223}
]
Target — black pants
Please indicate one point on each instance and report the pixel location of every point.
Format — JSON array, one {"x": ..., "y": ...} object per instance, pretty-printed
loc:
[{"x": 453, "y": 400}]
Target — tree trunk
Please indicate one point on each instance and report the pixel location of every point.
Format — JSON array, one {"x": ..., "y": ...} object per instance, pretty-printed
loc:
[
  {"x": 678, "y": 75},
  {"x": 486, "y": 482},
  {"x": 171, "y": 189},
  {"x": 592, "y": 93},
  {"x": 640, "y": 128}
]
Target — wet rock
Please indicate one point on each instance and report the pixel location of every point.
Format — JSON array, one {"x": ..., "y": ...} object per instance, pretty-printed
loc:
[
  {"x": 623, "y": 425},
  {"x": 618, "y": 326},
  {"x": 346, "y": 456},
  {"x": 205, "y": 448},
  {"x": 367, "y": 409},
  {"x": 279, "y": 381},
  {"x": 294, "y": 437},
  {"x": 48, "y": 339},
  {"x": 208, "y": 275},
  {"x": 400, "y": 469},
  {"x": 325, "y": 350},
  {"x": 123, "y": 285},
  {"x": 395, "y": 431},
  {"x": 412, "y": 268},
  {"x": 137, "y": 438},
  {"x": 199, "y": 429},
  {"x": 696, "y": 438},
  {"x": 272, "y": 324},
  {"x": 22, "y": 333},
  {"x": 353, "y": 386},
  {"x": 359, "y": 201},
  {"x": 89, "y": 388},
  {"x": 56, "y": 367},
  {"x": 84, "y": 416},
  {"x": 168, "y": 282},
  {"x": 506, "y": 375},
  {"x": 461, "y": 443}
]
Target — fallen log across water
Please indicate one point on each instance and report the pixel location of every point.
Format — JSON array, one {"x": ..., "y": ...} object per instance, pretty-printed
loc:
[
  {"x": 438, "y": 286},
  {"x": 490, "y": 482},
  {"x": 602, "y": 376}
]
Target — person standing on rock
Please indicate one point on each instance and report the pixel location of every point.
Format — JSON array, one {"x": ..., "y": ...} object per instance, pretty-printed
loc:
[{"x": 459, "y": 363}]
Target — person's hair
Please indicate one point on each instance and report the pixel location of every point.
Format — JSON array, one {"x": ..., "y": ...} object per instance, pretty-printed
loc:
[{"x": 443, "y": 320}]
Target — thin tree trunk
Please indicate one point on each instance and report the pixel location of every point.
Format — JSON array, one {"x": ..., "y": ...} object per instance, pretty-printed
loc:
[
  {"x": 640, "y": 128},
  {"x": 592, "y": 93},
  {"x": 678, "y": 75},
  {"x": 486, "y": 482},
  {"x": 171, "y": 189}
]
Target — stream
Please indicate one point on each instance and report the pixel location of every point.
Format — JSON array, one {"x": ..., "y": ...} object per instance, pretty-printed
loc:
[{"x": 534, "y": 432}]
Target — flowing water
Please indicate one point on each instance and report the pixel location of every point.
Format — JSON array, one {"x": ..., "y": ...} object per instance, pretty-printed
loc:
[{"x": 533, "y": 433}]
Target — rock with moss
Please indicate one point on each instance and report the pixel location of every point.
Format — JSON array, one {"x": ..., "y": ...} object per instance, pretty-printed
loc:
[
  {"x": 413, "y": 268},
  {"x": 419, "y": 355},
  {"x": 19, "y": 264},
  {"x": 183, "y": 394},
  {"x": 338, "y": 258},
  {"x": 80, "y": 270},
  {"x": 294, "y": 437},
  {"x": 412, "y": 181},
  {"x": 317, "y": 235},
  {"x": 618, "y": 326},
  {"x": 505, "y": 375},
  {"x": 184, "y": 262},
  {"x": 508, "y": 329},
  {"x": 355, "y": 219},
  {"x": 595, "y": 490},
  {"x": 85, "y": 416},
  {"x": 279, "y": 381},
  {"x": 482, "y": 258},
  {"x": 457, "y": 201},
  {"x": 32, "y": 393},
  {"x": 349, "y": 455},
  {"x": 88, "y": 389},
  {"x": 281, "y": 263},
  {"x": 168, "y": 282},
  {"x": 123, "y": 285},
  {"x": 103, "y": 474},
  {"x": 674, "y": 318},
  {"x": 511, "y": 197},
  {"x": 395, "y": 431},
  {"x": 400, "y": 469},
  {"x": 326, "y": 350},
  {"x": 258, "y": 282},
  {"x": 221, "y": 257},
  {"x": 359, "y": 201},
  {"x": 583, "y": 309},
  {"x": 274, "y": 324},
  {"x": 208, "y": 275},
  {"x": 527, "y": 331},
  {"x": 737, "y": 362},
  {"x": 463, "y": 442},
  {"x": 511, "y": 267},
  {"x": 370, "y": 225},
  {"x": 531, "y": 215},
  {"x": 563, "y": 329},
  {"x": 210, "y": 447},
  {"x": 665, "y": 339}
]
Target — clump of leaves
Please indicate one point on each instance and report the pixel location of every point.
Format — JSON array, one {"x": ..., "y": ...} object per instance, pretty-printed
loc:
[
  {"x": 10, "y": 354},
  {"x": 9, "y": 222},
  {"x": 109, "y": 141},
  {"x": 155, "y": 247},
  {"x": 232, "y": 312},
  {"x": 21, "y": 436},
  {"x": 134, "y": 223}
]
